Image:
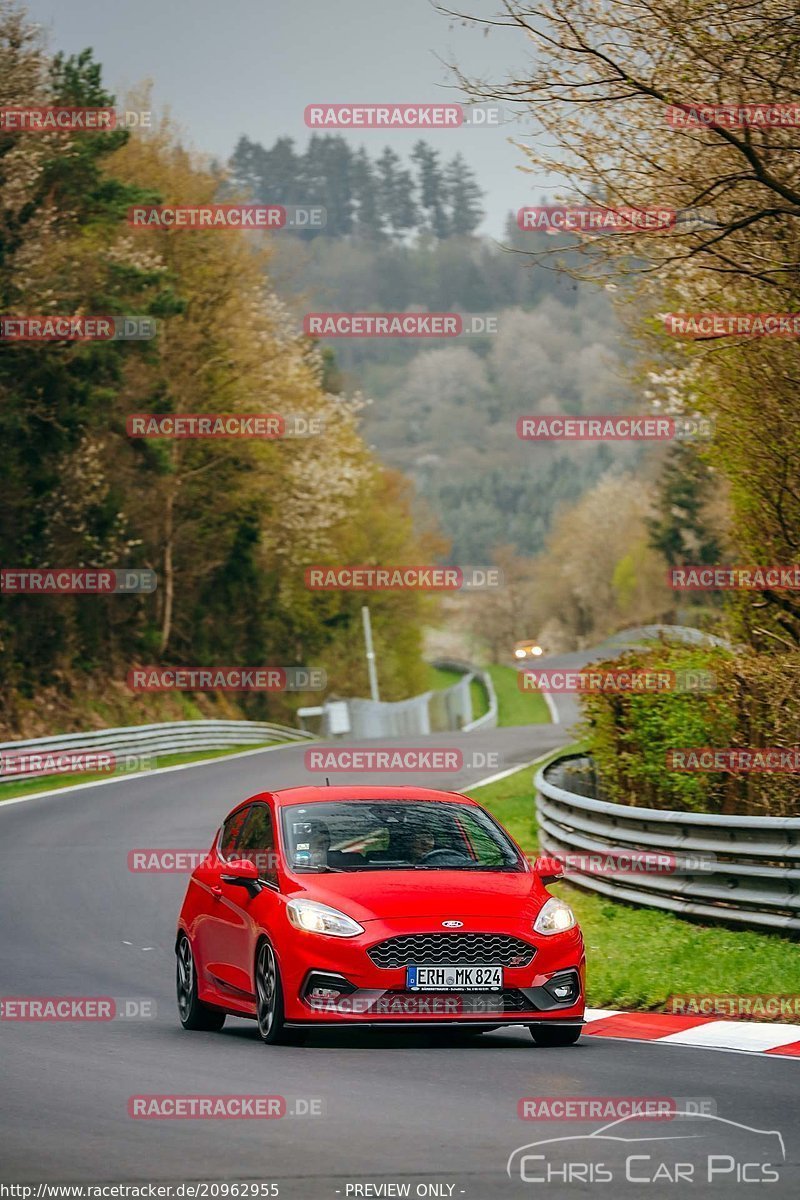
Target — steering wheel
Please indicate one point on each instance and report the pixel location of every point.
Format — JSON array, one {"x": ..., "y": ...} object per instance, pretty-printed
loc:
[{"x": 436, "y": 856}]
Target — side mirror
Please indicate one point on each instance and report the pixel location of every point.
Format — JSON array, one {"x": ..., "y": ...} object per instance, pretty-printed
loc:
[
  {"x": 241, "y": 871},
  {"x": 549, "y": 870}
]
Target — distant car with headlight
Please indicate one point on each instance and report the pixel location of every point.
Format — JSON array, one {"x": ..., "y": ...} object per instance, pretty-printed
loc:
[
  {"x": 527, "y": 649},
  {"x": 375, "y": 906}
]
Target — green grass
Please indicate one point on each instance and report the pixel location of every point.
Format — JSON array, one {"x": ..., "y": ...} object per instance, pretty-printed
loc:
[
  {"x": 480, "y": 701},
  {"x": 516, "y": 707},
  {"x": 439, "y": 679},
  {"x": 513, "y": 706},
  {"x": 638, "y": 957},
  {"x": 46, "y": 783}
]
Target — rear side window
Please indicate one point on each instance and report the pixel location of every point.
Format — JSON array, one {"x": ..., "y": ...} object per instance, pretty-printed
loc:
[{"x": 231, "y": 833}]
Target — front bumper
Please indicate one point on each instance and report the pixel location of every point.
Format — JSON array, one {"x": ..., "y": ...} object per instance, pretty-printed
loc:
[{"x": 366, "y": 994}]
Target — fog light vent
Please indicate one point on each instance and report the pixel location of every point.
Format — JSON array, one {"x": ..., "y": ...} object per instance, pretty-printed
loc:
[
  {"x": 564, "y": 988},
  {"x": 321, "y": 987}
]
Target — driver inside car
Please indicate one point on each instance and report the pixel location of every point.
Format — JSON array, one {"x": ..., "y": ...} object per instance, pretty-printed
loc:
[
  {"x": 422, "y": 843},
  {"x": 411, "y": 843}
]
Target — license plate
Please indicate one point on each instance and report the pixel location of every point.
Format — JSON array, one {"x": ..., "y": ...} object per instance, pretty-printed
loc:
[{"x": 456, "y": 979}]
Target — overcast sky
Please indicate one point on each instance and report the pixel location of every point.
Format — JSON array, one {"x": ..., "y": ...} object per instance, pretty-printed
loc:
[{"x": 228, "y": 67}]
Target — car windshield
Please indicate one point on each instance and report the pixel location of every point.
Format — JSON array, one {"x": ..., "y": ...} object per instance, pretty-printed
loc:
[{"x": 395, "y": 836}]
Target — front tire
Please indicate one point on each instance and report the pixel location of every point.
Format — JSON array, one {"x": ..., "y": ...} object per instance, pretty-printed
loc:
[
  {"x": 555, "y": 1035},
  {"x": 191, "y": 1010},
  {"x": 270, "y": 1016}
]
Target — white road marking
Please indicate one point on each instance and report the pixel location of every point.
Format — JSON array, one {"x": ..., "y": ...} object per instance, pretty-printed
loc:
[
  {"x": 599, "y": 1014},
  {"x": 511, "y": 771},
  {"x": 736, "y": 1035}
]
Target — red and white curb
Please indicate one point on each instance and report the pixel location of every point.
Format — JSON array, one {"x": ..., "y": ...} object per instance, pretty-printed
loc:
[{"x": 704, "y": 1033}]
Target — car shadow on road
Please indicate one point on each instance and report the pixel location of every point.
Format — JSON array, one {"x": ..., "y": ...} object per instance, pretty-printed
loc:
[{"x": 514, "y": 1038}]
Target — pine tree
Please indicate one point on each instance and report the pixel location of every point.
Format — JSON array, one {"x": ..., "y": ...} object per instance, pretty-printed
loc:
[
  {"x": 432, "y": 190},
  {"x": 680, "y": 531},
  {"x": 464, "y": 196},
  {"x": 366, "y": 192},
  {"x": 246, "y": 167},
  {"x": 282, "y": 177},
  {"x": 396, "y": 193},
  {"x": 328, "y": 167}
]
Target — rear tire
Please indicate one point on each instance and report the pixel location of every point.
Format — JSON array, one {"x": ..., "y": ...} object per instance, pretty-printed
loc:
[
  {"x": 191, "y": 1010},
  {"x": 555, "y": 1035}
]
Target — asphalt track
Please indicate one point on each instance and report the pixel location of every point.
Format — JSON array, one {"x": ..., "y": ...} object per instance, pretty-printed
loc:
[{"x": 397, "y": 1108}]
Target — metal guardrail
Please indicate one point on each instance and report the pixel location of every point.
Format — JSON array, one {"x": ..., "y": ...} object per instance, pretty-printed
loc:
[
  {"x": 489, "y": 718},
  {"x": 738, "y": 869},
  {"x": 430, "y": 712},
  {"x": 171, "y": 737}
]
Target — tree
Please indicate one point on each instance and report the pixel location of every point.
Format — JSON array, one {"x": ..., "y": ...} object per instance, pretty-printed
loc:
[
  {"x": 597, "y": 573},
  {"x": 247, "y": 168},
  {"x": 229, "y": 526},
  {"x": 60, "y": 252},
  {"x": 274, "y": 176},
  {"x": 396, "y": 191},
  {"x": 431, "y": 189},
  {"x": 608, "y": 92},
  {"x": 681, "y": 531},
  {"x": 464, "y": 196},
  {"x": 328, "y": 174},
  {"x": 366, "y": 193}
]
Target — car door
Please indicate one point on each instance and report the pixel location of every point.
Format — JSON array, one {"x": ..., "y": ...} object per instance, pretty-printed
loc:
[
  {"x": 244, "y": 910},
  {"x": 224, "y": 927}
]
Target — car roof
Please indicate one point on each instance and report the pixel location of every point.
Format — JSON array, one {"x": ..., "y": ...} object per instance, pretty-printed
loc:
[{"x": 315, "y": 794}]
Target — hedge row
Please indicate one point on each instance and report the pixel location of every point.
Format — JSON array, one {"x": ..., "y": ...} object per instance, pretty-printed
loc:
[{"x": 754, "y": 702}]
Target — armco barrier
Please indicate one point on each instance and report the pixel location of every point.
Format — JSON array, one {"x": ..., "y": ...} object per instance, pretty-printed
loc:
[
  {"x": 470, "y": 672},
  {"x": 171, "y": 737},
  {"x": 430, "y": 712},
  {"x": 748, "y": 868}
]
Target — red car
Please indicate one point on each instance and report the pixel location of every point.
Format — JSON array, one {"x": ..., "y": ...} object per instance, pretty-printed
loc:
[{"x": 375, "y": 906}]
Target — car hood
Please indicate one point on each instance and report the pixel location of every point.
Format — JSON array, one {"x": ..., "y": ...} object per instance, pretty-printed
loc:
[{"x": 450, "y": 895}]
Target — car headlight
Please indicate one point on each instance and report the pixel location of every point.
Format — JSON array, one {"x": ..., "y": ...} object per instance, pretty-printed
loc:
[
  {"x": 554, "y": 917},
  {"x": 319, "y": 918},
  {"x": 519, "y": 654}
]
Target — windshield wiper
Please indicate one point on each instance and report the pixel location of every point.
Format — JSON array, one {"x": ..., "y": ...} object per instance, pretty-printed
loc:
[
  {"x": 319, "y": 870},
  {"x": 465, "y": 867}
]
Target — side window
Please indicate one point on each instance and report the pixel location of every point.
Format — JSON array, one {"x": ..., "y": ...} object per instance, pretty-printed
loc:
[
  {"x": 231, "y": 833},
  {"x": 257, "y": 842}
]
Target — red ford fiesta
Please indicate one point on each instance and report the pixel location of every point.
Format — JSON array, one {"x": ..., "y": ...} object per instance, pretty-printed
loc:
[{"x": 375, "y": 906}]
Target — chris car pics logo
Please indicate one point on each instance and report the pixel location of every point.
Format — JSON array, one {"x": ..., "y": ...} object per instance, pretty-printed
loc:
[{"x": 694, "y": 1148}]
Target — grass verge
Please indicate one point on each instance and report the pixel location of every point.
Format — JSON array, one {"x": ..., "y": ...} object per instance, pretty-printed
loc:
[
  {"x": 513, "y": 706},
  {"x": 516, "y": 707},
  {"x": 637, "y": 957},
  {"x": 439, "y": 679}
]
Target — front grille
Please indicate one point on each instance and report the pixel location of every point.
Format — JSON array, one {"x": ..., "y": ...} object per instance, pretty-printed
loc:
[
  {"x": 488, "y": 1004},
  {"x": 452, "y": 949}
]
